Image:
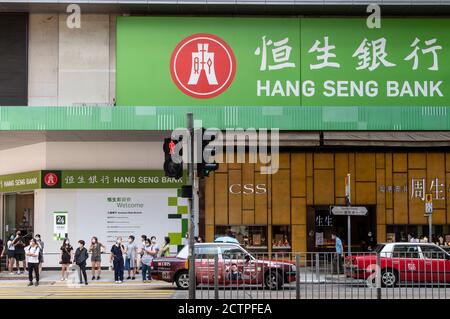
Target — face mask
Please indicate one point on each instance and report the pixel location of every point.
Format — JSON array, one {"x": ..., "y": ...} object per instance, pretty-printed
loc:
[
  {"x": 153, "y": 241},
  {"x": 119, "y": 242},
  {"x": 147, "y": 244},
  {"x": 130, "y": 241},
  {"x": 81, "y": 246}
]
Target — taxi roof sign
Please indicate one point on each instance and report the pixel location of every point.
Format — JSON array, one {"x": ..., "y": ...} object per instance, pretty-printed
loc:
[{"x": 428, "y": 198}]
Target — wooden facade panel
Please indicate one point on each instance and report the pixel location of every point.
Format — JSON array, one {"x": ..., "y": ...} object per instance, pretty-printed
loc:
[
  {"x": 417, "y": 160},
  {"x": 365, "y": 167},
  {"x": 447, "y": 162},
  {"x": 221, "y": 198},
  {"x": 323, "y": 160},
  {"x": 209, "y": 200},
  {"x": 439, "y": 216},
  {"x": 416, "y": 205},
  {"x": 298, "y": 233},
  {"x": 309, "y": 164},
  {"x": 309, "y": 190},
  {"x": 234, "y": 200},
  {"x": 436, "y": 178},
  {"x": 323, "y": 187},
  {"x": 209, "y": 233},
  {"x": 352, "y": 171},
  {"x": 380, "y": 160},
  {"x": 261, "y": 200},
  {"x": 281, "y": 198},
  {"x": 285, "y": 160},
  {"x": 340, "y": 173},
  {"x": 248, "y": 181},
  {"x": 298, "y": 211},
  {"x": 389, "y": 216},
  {"x": 248, "y": 217},
  {"x": 400, "y": 200},
  {"x": 366, "y": 193},
  {"x": 381, "y": 233},
  {"x": 400, "y": 162},
  {"x": 298, "y": 174}
]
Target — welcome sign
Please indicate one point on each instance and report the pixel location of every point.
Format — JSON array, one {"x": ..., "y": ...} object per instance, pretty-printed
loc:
[{"x": 286, "y": 62}]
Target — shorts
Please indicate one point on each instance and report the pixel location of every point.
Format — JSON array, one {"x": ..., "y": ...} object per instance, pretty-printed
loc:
[
  {"x": 19, "y": 256},
  {"x": 95, "y": 259},
  {"x": 10, "y": 253},
  {"x": 130, "y": 263}
]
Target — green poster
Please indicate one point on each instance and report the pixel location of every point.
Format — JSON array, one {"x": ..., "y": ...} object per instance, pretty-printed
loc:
[{"x": 228, "y": 61}]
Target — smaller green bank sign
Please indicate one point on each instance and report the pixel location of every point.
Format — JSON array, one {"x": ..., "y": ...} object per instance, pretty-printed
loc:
[
  {"x": 87, "y": 179},
  {"x": 118, "y": 179}
]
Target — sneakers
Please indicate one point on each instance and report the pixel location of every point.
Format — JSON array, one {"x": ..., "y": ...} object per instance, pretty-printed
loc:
[
  {"x": 86, "y": 283},
  {"x": 119, "y": 282},
  {"x": 133, "y": 278},
  {"x": 30, "y": 284},
  {"x": 62, "y": 278},
  {"x": 36, "y": 283},
  {"x": 11, "y": 273},
  {"x": 93, "y": 278},
  {"x": 128, "y": 278},
  {"x": 98, "y": 277},
  {"x": 116, "y": 281}
]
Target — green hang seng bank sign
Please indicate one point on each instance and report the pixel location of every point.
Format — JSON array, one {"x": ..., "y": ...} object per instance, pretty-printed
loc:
[{"x": 193, "y": 61}]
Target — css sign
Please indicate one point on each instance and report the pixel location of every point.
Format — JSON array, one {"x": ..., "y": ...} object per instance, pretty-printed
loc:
[{"x": 248, "y": 189}]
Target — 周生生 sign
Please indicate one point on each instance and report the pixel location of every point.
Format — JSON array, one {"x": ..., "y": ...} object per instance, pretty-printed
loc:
[{"x": 285, "y": 62}]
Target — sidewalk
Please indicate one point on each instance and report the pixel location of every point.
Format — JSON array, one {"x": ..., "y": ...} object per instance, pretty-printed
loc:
[{"x": 52, "y": 277}]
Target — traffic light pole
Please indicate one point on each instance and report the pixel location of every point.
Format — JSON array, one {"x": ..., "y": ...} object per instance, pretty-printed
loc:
[{"x": 191, "y": 182}]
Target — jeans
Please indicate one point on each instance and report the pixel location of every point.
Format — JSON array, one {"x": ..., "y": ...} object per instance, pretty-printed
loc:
[
  {"x": 146, "y": 272},
  {"x": 118, "y": 269},
  {"x": 35, "y": 267},
  {"x": 82, "y": 271}
]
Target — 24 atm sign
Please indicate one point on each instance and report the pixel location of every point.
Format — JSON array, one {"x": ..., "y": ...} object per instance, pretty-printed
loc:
[{"x": 290, "y": 61}]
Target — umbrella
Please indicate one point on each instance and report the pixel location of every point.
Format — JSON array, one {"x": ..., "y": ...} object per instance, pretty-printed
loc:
[{"x": 226, "y": 239}]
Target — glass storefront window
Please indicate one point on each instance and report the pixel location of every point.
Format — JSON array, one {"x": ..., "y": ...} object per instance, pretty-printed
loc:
[
  {"x": 419, "y": 233},
  {"x": 250, "y": 237},
  {"x": 281, "y": 238}
]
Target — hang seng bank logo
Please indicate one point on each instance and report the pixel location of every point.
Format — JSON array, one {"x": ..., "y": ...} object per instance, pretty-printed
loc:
[{"x": 202, "y": 66}]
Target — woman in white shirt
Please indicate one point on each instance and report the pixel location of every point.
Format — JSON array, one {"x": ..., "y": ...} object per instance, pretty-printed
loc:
[{"x": 32, "y": 254}]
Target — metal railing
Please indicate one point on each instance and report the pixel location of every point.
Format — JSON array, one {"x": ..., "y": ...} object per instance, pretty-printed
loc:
[{"x": 324, "y": 276}]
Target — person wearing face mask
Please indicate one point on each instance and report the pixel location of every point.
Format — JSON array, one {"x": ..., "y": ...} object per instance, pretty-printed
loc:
[
  {"x": 165, "y": 251},
  {"x": 96, "y": 249},
  {"x": 116, "y": 258},
  {"x": 41, "y": 251},
  {"x": 81, "y": 255},
  {"x": 140, "y": 253},
  {"x": 10, "y": 254},
  {"x": 19, "y": 252},
  {"x": 66, "y": 258},
  {"x": 130, "y": 257},
  {"x": 146, "y": 260},
  {"x": 32, "y": 255},
  {"x": 154, "y": 250}
]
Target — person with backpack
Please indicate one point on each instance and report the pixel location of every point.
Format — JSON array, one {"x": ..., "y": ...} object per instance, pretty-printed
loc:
[
  {"x": 32, "y": 254},
  {"x": 81, "y": 255}
]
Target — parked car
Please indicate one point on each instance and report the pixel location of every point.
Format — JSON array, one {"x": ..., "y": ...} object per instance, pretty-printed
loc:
[
  {"x": 402, "y": 262},
  {"x": 235, "y": 266}
]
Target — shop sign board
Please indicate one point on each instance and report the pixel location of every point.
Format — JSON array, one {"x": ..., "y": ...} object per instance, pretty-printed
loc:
[
  {"x": 227, "y": 61},
  {"x": 20, "y": 181},
  {"x": 60, "y": 225},
  {"x": 349, "y": 211}
]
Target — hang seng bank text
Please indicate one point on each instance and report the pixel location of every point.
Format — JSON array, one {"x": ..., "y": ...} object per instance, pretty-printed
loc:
[{"x": 345, "y": 88}]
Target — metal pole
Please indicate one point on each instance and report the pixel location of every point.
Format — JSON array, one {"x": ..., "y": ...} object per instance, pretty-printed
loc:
[
  {"x": 430, "y": 227},
  {"x": 191, "y": 258},
  {"x": 349, "y": 234},
  {"x": 297, "y": 276},
  {"x": 216, "y": 276},
  {"x": 378, "y": 276}
]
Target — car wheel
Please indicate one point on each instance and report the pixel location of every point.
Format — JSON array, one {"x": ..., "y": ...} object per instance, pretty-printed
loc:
[
  {"x": 273, "y": 280},
  {"x": 182, "y": 280},
  {"x": 389, "y": 278}
]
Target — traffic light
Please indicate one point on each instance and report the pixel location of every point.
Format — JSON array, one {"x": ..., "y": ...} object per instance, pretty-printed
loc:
[
  {"x": 171, "y": 167},
  {"x": 208, "y": 164}
]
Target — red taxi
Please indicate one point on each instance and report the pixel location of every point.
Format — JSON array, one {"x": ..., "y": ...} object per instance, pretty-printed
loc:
[
  {"x": 235, "y": 266},
  {"x": 401, "y": 263}
]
